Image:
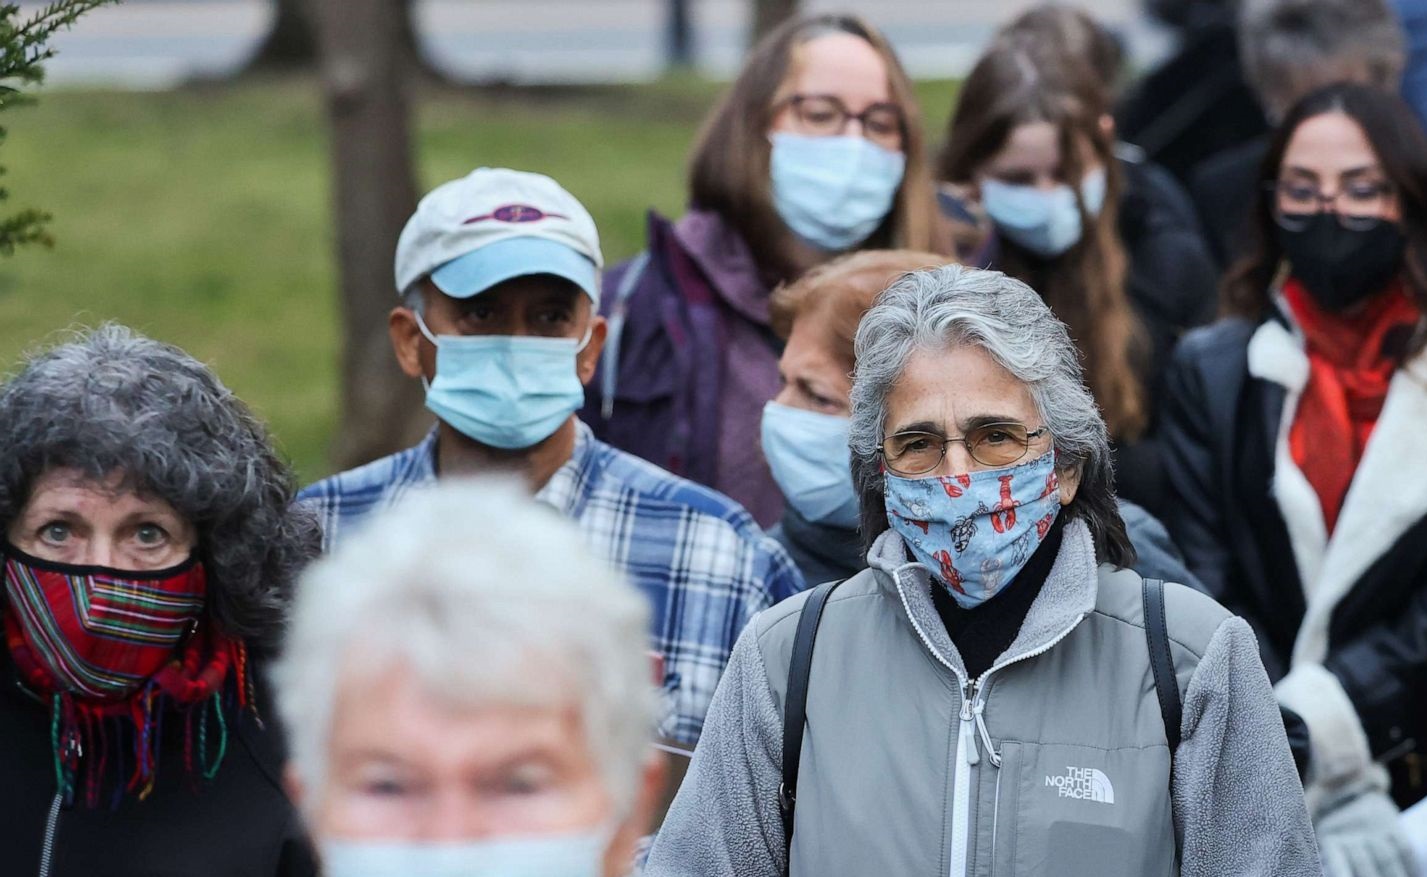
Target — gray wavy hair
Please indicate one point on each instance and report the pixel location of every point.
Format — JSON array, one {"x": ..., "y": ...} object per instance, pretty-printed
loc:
[
  {"x": 944, "y": 308},
  {"x": 111, "y": 402}
]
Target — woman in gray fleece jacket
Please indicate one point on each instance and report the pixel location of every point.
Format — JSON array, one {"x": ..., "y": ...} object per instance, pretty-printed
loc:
[{"x": 981, "y": 699}]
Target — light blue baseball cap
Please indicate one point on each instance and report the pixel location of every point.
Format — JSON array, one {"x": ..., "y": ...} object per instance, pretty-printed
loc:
[{"x": 479, "y": 270}]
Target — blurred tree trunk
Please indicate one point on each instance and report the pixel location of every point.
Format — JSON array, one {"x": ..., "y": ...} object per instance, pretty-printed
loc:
[
  {"x": 365, "y": 70},
  {"x": 291, "y": 43},
  {"x": 768, "y": 14}
]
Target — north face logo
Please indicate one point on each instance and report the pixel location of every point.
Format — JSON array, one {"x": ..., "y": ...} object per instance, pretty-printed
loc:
[{"x": 1084, "y": 784}]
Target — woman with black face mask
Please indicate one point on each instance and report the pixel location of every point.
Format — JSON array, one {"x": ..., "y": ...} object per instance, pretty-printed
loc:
[{"x": 1293, "y": 431}]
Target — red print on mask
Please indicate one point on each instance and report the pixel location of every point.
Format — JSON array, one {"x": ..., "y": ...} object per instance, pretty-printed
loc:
[
  {"x": 1052, "y": 484},
  {"x": 952, "y": 490},
  {"x": 924, "y": 526},
  {"x": 1043, "y": 525},
  {"x": 948, "y": 572},
  {"x": 1003, "y": 516}
]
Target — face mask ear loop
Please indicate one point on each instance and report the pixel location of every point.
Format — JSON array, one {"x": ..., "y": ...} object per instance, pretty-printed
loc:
[
  {"x": 589, "y": 333},
  {"x": 421, "y": 324}
]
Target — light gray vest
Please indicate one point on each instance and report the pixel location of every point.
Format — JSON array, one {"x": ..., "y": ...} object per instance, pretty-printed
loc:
[{"x": 1056, "y": 764}]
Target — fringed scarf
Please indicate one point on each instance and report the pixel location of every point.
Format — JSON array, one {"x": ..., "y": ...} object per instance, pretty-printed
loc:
[{"x": 113, "y": 654}]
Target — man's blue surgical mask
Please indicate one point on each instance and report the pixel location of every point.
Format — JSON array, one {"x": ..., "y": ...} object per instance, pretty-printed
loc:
[
  {"x": 807, "y": 453},
  {"x": 564, "y": 855},
  {"x": 833, "y": 192},
  {"x": 504, "y": 391},
  {"x": 1044, "y": 221}
]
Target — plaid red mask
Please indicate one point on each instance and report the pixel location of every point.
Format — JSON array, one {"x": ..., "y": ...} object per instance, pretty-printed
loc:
[{"x": 100, "y": 633}]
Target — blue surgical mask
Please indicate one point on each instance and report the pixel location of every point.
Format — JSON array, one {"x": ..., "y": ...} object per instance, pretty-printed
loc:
[
  {"x": 833, "y": 192},
  {"x": 807, "y": 453},
  {"x": 974, "y": 532},
  {"x": 565, "y": 855},
  {"x": 1046, "y": 222},
  {"x": 504, "y": 391}
]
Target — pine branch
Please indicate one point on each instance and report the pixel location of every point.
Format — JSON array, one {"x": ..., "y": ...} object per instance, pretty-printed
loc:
[{"x": 24, "y": 47}]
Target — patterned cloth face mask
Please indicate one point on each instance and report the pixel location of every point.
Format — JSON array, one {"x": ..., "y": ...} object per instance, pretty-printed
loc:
[
  {"x": 101, "y": 633},
  {"x": 974, "y": 532}
]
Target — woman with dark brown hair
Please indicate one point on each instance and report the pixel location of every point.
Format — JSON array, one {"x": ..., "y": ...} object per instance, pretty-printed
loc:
[
  {"x": 815, "y": 150},
  {"x": 1030, "y": 159},
  {"x": 1293, "y": 435}
]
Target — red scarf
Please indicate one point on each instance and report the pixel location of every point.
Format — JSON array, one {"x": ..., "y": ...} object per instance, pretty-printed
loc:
[
  {"x": 1351, "y": 360},
  {"x": 99, "y": 647}
]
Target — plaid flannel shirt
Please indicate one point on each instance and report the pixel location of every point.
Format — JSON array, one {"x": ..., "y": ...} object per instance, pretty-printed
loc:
[{"x": 701, "y": 560}]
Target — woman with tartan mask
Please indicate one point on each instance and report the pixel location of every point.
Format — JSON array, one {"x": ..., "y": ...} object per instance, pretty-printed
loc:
[
  {"x": 1293, "y": 435},
  {"x": 149, "y": 544}
]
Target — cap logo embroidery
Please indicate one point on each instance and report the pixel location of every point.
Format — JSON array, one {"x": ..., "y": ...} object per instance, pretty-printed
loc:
[{"x": 515, "y": 213}]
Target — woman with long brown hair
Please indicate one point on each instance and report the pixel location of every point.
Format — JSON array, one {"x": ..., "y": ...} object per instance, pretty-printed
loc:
[
  {"x": 815, "y": 150},
  {"x": 1293, "y": 436},
  {"x": 1030, "y": 159}
]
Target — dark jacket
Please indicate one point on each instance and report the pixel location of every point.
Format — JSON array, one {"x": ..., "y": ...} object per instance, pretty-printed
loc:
[
  {"x": 1351, "y": 659},
  {"x": 690, "y": 360},
  {"x": 1224, "y": 187},
  {"x": 825, "y": 554},
  {"x": 1171, "y": 286},
  {"x": 239, "y": 825},
  {"x": 1194, "y": 105}
]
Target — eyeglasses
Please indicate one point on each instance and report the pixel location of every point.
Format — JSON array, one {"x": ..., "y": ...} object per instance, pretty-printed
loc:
[
  {"x": 993, "y": 444},
  {"x": 1358, "y": 205},
  {"x": 823, "y": 115}
]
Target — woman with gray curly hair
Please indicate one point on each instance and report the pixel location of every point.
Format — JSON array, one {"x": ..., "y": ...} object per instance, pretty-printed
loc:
[
  {"x": 983, "y": 697},
  {"x": 150, "y": 541}
]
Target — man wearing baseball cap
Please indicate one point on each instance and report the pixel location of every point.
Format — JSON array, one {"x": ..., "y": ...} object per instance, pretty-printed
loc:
[{"x": 498, "y": 274}]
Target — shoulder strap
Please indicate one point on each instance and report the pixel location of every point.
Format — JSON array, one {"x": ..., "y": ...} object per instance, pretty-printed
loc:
[
  {"x": 609, "y": 375},
  {"x": 795, "y": 701},
  {"x": 1166, "y": 681}
]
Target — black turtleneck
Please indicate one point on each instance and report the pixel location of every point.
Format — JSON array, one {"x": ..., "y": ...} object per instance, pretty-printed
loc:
[{"x": 982, "y": 634}]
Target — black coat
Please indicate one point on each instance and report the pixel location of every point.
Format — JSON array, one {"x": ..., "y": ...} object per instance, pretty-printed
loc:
[
  {"x": 239, "y": 825},
  {"x": 1194, "y": 105},
  {"x": 1224, "y": 188},
  {"x": 1220, "y": 427}
]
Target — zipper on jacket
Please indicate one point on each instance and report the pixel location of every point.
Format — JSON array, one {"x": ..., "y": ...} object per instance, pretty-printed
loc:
[
  {"x": 51, "y": 826},
  {"x": 972, "y": 725},
  {"x": 995, "y": 821}
]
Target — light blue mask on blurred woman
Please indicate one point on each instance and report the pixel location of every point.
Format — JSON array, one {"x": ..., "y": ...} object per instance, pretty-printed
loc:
[
  {"x": 1044, "y": 221},
  {"x": 565, "y": 855},
  {"x": 808, "y": 456},
  {"x": 833, "y": 192},
  {"x": 504, "y": 391}
]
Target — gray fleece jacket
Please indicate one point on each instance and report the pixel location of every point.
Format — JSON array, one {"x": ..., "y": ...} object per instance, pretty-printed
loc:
[{"x": 1054, "y": 761}]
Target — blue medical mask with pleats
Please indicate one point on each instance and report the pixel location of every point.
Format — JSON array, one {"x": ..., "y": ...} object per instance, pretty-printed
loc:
[
  {"x": 504, "y": 391},
  {"x": 808, "y": 456},
  {"x": 833, "y": 192},
  {"x": 1044, "y": 221},
  {"x": 565, "y": 855},
  {"x": 973, "y": 532}
]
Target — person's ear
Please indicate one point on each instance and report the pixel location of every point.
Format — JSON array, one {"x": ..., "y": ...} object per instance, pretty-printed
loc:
[
  {"x": 1069, "y": 483},
  {"x": 638, "y": 822},
  {"x": 589, "y": 358},
  {"x": 406, "y": 341}
]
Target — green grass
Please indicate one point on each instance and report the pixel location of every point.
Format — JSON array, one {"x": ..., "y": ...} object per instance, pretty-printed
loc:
[{"x": 201, "y": 216}]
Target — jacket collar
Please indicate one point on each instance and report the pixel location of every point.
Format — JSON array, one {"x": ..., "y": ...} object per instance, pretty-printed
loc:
[
  {"x": 1067, "y": 596},
  {"x": 726, "y": 262}
]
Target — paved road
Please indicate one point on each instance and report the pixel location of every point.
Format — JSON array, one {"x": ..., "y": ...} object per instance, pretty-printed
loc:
[{"x": 156, "y": 43}]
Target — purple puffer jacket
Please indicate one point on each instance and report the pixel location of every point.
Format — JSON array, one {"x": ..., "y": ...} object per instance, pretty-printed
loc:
[{"x": 690, "y": 360}]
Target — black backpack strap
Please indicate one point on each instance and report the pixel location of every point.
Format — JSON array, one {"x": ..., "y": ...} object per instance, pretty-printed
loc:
[
  {"x": 795, "y": 702},
  {"x": 1166, "y": 681}
]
